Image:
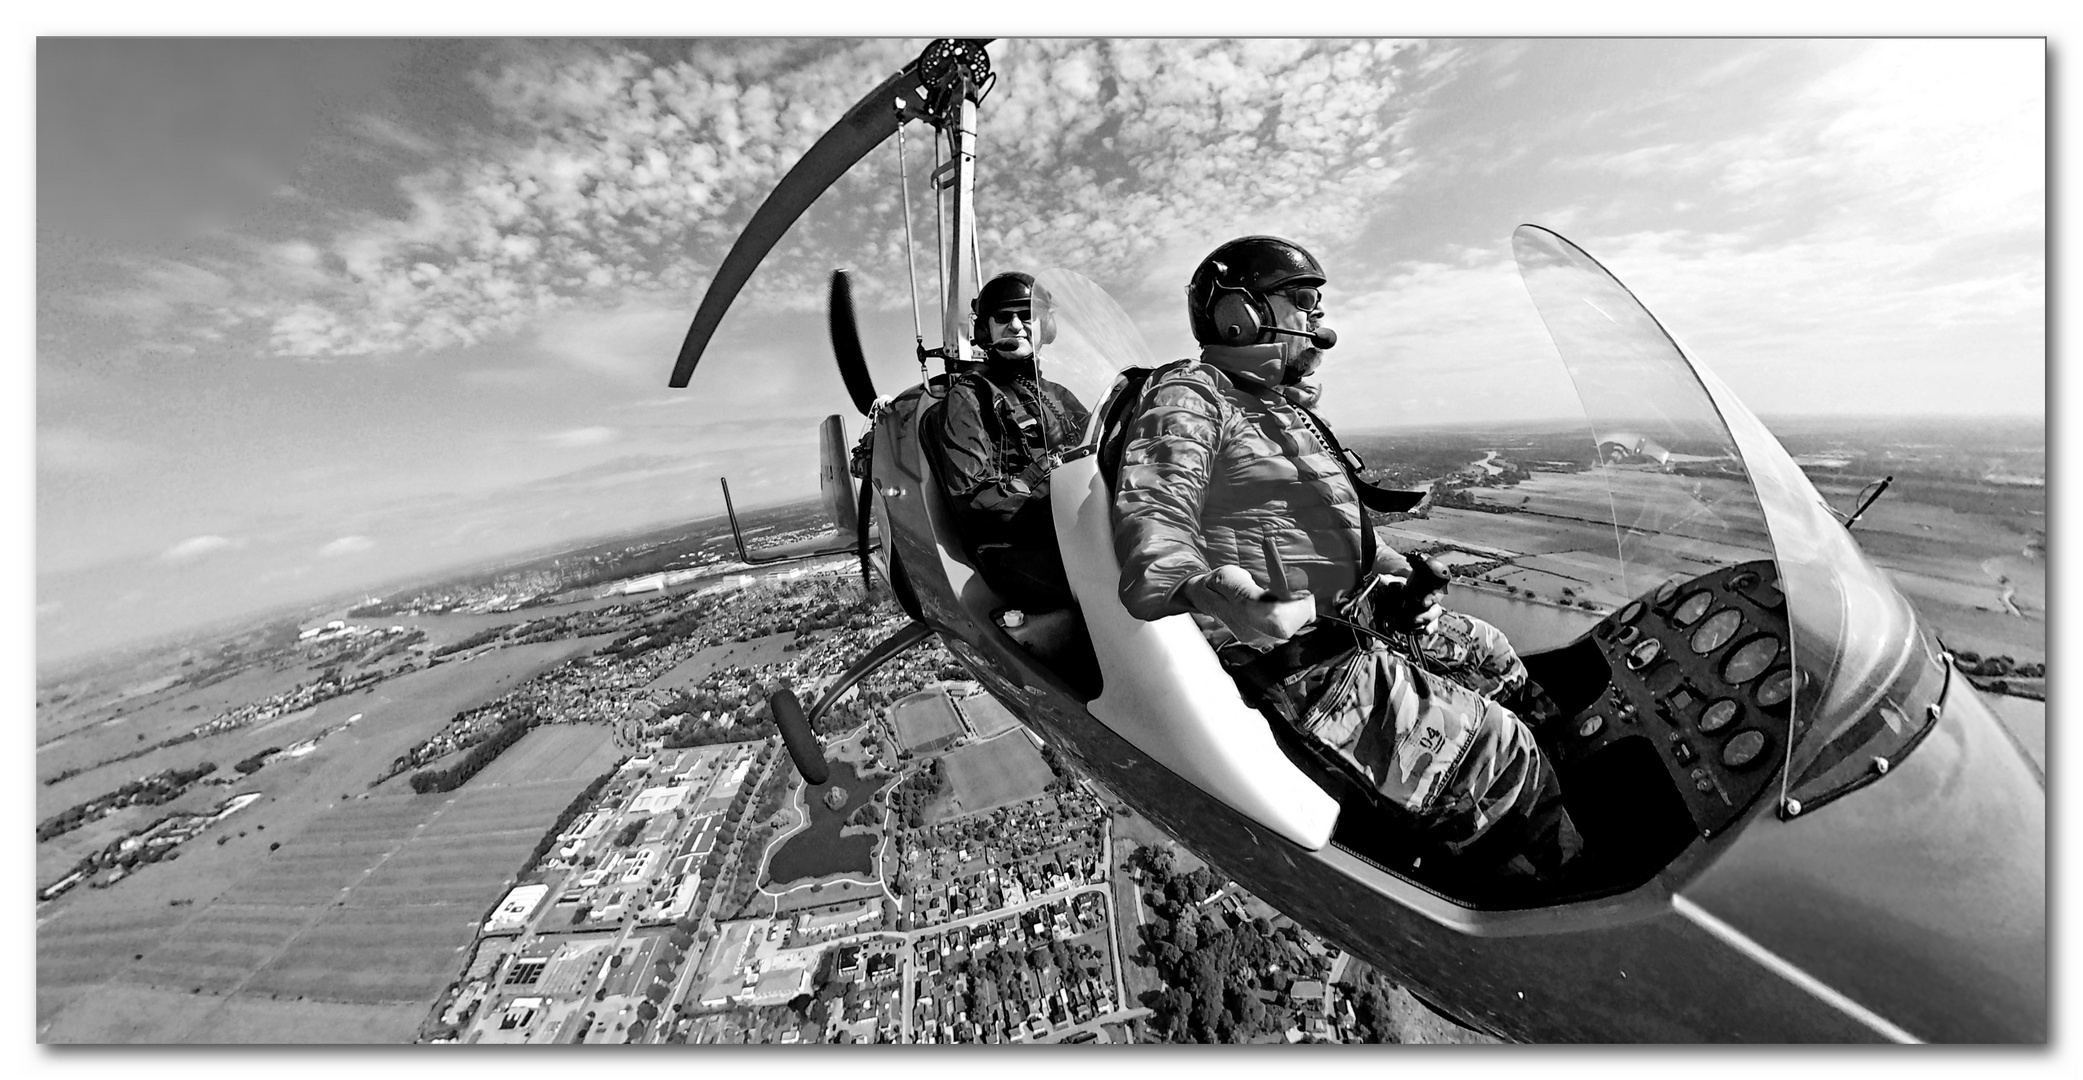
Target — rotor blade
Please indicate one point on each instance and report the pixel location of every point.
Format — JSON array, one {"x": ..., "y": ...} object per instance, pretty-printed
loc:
[
  {"x": 871, "y": 120},
  {"x": 846, "y": 344}
]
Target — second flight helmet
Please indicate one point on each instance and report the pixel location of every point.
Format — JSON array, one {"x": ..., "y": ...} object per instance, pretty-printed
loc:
[
  {"x": 1226, "y": 297},
  {"x": 1007, "y": 290}
]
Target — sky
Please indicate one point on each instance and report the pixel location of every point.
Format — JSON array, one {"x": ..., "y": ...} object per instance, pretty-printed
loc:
[{"x": 313, "y": 316}]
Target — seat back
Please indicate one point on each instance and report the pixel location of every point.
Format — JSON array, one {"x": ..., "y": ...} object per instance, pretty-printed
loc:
[{"x": 1164, "y": 690}]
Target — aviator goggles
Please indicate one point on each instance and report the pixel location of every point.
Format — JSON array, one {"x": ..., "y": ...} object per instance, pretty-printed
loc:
[{"x": 1304, "y": 297}]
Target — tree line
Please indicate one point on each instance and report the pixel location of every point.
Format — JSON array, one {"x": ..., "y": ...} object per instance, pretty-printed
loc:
[
  {"x": 160, "y": 787},
  {"x": 428, "y": 781}
]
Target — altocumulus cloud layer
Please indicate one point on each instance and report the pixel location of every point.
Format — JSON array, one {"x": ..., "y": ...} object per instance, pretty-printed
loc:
[{"x": 608, "y": 171}]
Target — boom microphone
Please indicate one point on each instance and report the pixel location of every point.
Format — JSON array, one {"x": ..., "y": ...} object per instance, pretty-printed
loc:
[{"x": 1322, "y": 337}]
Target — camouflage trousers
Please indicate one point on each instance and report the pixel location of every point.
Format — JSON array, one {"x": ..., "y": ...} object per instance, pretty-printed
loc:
[{"x": 1464, "y": 766}]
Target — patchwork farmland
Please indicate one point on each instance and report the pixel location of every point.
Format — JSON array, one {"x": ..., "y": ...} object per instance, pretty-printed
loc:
[{"x": 345, "y": 934}]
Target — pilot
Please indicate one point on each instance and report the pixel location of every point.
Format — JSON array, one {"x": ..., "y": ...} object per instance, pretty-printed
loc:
[
  {"x": 998, "y": 434},
  {"x": 1222, "y": 455}
]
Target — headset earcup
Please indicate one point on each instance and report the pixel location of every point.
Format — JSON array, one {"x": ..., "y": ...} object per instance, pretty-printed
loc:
[{"x": 1236, "y": 319}]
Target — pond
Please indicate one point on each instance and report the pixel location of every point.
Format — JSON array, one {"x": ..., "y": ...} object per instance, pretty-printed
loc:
[
  {"x": 1532, "y": 625},
  {"x": 819, "y": 851}
]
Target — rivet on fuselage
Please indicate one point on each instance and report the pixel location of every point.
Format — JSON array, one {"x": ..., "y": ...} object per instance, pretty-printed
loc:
[
  {"x": 1793, "y": 807},
  {"x": 1880, "y": 765}
]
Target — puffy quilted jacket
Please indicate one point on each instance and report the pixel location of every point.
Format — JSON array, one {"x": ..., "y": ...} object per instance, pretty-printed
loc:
[{"x": 1209, "y": 467}]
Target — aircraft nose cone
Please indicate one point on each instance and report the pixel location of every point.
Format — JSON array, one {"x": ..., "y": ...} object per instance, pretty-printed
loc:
[{"x": 1921, "y": 897}]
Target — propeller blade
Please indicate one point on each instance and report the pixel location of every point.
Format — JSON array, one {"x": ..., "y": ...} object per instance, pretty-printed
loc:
[
  {"x": 863, "y": 520},
  {"x": 846, "y": 344},
  {"x": 871, "y": 120}
]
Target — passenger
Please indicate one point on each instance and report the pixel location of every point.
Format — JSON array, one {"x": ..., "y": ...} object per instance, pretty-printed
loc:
[
  {"x": 996, "y": 437},
  {"x": 1222, "y": 456}
]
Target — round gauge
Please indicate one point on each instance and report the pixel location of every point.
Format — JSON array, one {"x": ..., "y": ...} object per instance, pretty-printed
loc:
[
  {"x": 1645, "y": 654},
  {"x": 1694, "y": 606},
  {"x": 1744, "y": 749},
  {"x": 1776, "y": 688},
  {"x": 1631, "y": 612},
  {"x": 1717, "y": 630},
  {"x": 1591, "y": 725},
  {"x": 1665, "y": 591},
  {"x": 1628, "y": 634},
  {"x": 1749, "y": 659},
  {"x": 1743, "y": 581},
  {"x": 1719, "y": 715}
]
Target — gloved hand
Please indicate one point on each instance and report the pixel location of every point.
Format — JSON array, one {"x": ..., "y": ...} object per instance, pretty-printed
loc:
[
  {"x": 1228, "y": 594},
  {"x": 1397, "y": 610}
]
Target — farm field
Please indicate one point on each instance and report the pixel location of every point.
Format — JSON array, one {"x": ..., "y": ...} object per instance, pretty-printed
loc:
[
  {"x": 552, "y": 752},
  {"x": 923, "y": 718},
  {"x": 345, "y": 932},
  {"x": 397, "y": 714},
  {"x": 998, "y": 772},
  {"x": 1947, "y": 562}
]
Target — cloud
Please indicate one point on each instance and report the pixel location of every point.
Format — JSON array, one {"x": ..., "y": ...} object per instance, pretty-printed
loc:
[
  {"x": 606, "y": 181},
  {"x": 611, "y": 180},
  {"x": 628, "y": 341},
  {"x": 388, "y": 132},
  {"x": 581, "y": 437},
  {"x": 198, "y": 547},
  {"x": 76, "y": 450},
  {"x": 346, "y": 545},
  {"x": 161, "y": 289}
]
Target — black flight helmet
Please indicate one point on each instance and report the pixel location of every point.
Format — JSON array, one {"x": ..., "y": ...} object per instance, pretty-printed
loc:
[
  {"x": 1226, "y": 297},
  {"x": 1013, "y": 289}
]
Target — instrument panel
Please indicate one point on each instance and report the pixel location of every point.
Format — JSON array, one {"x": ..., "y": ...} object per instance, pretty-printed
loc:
[{"x": 1701, "y": 669}]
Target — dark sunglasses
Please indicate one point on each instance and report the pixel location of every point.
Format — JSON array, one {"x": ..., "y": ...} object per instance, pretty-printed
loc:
[{"x": 1304, "y": 297}]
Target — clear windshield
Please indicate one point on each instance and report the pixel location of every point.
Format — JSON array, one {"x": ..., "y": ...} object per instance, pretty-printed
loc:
[
  {"x": 1681, "y": 501},
  {"x": 1094, "y": 338},
  {"x": 1694, "y": 476}
]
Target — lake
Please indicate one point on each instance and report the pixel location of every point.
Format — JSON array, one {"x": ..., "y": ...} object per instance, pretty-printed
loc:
[
  {"x": 1533, "y": 626},
  {"x": 819, "y": 851}
]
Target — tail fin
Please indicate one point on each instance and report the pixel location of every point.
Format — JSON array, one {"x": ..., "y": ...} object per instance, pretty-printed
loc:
[{"x": 835, "y": 483}]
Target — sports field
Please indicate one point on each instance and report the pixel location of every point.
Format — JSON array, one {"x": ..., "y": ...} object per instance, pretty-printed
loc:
[
  {"x": 998, "y": 772},
  {"x": 987, "y": 716},
  {"x": 924, "y": 718}
]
